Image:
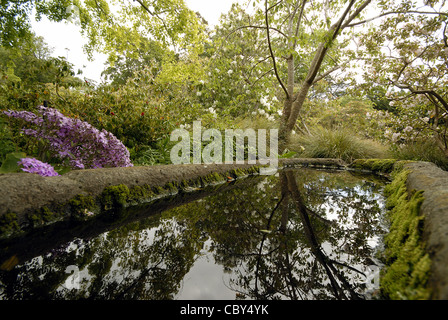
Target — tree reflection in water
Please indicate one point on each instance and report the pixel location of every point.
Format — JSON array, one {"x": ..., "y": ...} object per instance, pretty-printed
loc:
[{"x": 302, "y": 234}]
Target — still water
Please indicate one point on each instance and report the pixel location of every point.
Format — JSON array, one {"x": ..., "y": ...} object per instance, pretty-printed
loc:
[{"x": 301, "y": 234}]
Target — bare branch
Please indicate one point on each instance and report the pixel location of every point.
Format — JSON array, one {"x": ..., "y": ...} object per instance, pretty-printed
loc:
[
  {"x": 325, "y": 74},
  {"x": 145, "y": 7},
  {"x": 274, "y": 5}
]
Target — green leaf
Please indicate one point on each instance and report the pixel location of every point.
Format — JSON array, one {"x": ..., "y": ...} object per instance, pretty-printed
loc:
[
  {"x": 10, "y": 164},
  {"x": 289, "y": 154}
]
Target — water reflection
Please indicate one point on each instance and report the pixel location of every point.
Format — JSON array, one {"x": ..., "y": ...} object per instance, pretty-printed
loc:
[{"x": 303, "y": 234}]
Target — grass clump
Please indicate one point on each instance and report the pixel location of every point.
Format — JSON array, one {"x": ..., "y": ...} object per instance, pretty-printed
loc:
[
  {"x": 338, "y": 143},
  {"x": 421, "y": 150}
]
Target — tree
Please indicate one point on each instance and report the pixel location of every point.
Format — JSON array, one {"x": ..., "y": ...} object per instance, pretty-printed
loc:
[
  {"x": 15, "y": 25},
  {"x": 239, "y": 79},
  {"x": 149, "y": 53},
  {"x": 30, "y": 64},
  {"x": 406, "y": 51},
  {"x": 113, "y": 29},
  {"x": 27, "y": 72},
  {"x": 301, "y": 38},
  {"x": 124, "y": 26}
]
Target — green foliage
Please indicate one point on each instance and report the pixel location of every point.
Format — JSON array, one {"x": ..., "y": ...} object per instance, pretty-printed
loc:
[
  {"x": 6, "y": 140},
  {"x": 149, "y": 53},
  {"x": 349, "y": 112},
  {"x": 14, "y": 18},
  {"x": 172, "y": 71},
  {"x": 412, "y": 74},
  {"x": 9, "y": 164},
  {"x": 158, "y": 154},
  {"x": 377, "y": 95}
]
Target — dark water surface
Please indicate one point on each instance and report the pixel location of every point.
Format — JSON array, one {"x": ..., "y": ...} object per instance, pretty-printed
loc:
[{"x": 301, "y": 234}]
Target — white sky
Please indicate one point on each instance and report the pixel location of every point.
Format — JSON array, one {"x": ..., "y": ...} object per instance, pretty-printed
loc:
[{"x": 67, "y": 40}]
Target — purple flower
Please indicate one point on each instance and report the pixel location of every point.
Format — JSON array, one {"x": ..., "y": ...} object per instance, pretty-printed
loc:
[
  {"x": 33, "y": 165},
  {"x": 76, "y": 141}
]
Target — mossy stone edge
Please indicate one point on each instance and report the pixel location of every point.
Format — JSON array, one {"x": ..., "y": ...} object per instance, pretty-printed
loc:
[
  {"x": 83, "y": 195},
  {"x": 416, "y": 247}
]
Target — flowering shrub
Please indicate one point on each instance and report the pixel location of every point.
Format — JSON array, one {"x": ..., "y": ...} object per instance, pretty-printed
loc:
[
  {"x": 76, "y": 141},
  {"x": 33, "y": 165}
]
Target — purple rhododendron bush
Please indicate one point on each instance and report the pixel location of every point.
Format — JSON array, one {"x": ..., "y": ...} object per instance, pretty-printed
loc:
[{"x": 76, "y": 142}]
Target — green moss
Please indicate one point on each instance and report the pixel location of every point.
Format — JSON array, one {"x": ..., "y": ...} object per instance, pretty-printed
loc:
[
  {"x": 44, "y": 216},
  {"x": 172, "y": 187},
  {"x": 211, "y": 179},
  {"x": 115, "y": 197},
  {"x": 376, "y": 165},
  {"x": 8, "y": 224},
  {"x": 238, "y": 173},
  {"x": 408, "y": 265},
  {"x": 83, "y": 206},
  {"x": 139, "y": 194}
]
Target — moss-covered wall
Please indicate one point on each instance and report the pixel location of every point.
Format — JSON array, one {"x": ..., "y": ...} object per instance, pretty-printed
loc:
[
  {"x": 407, "y": 263},
  {"x": 416, "y": 247}
]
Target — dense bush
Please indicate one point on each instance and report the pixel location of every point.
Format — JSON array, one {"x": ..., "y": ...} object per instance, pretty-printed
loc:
[{"x": 77, "y": 143}]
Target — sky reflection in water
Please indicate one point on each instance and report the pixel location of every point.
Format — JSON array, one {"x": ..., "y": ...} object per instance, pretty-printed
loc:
[{"x": 302, "y": 234}]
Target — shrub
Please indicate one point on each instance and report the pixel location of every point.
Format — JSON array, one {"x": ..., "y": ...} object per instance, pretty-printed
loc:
[{"x": 73, "y": 140}]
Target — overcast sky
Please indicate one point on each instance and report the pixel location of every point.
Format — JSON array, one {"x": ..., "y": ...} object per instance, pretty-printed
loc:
[{"x": 67, "y": 41}]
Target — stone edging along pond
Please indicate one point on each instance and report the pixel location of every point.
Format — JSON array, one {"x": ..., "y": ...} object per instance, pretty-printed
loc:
[{"x": 416, "y": 252}]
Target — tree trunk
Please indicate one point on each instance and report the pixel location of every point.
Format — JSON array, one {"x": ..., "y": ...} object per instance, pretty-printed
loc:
[{"x": 294, "y": 103}]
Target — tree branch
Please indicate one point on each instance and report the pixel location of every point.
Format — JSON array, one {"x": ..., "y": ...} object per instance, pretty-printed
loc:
[
  {"x": 145, "y": 7},
  {"x": 356, "y": 13},
  {"x": 430, "y": 92},
  {"x": 329, "y": 72},
  {"x": 272, "y": 53},
  {"x": 256, "y": 27},
  {"x": 395, "y": 12},
  {"x": 322, "y": 50},
  {"x": 157, "y": 16},
  {"x": 299, "y": 22}
]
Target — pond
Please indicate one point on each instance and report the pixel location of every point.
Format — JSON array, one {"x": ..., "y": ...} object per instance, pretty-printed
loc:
[{"x": 300, "y": 234}]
